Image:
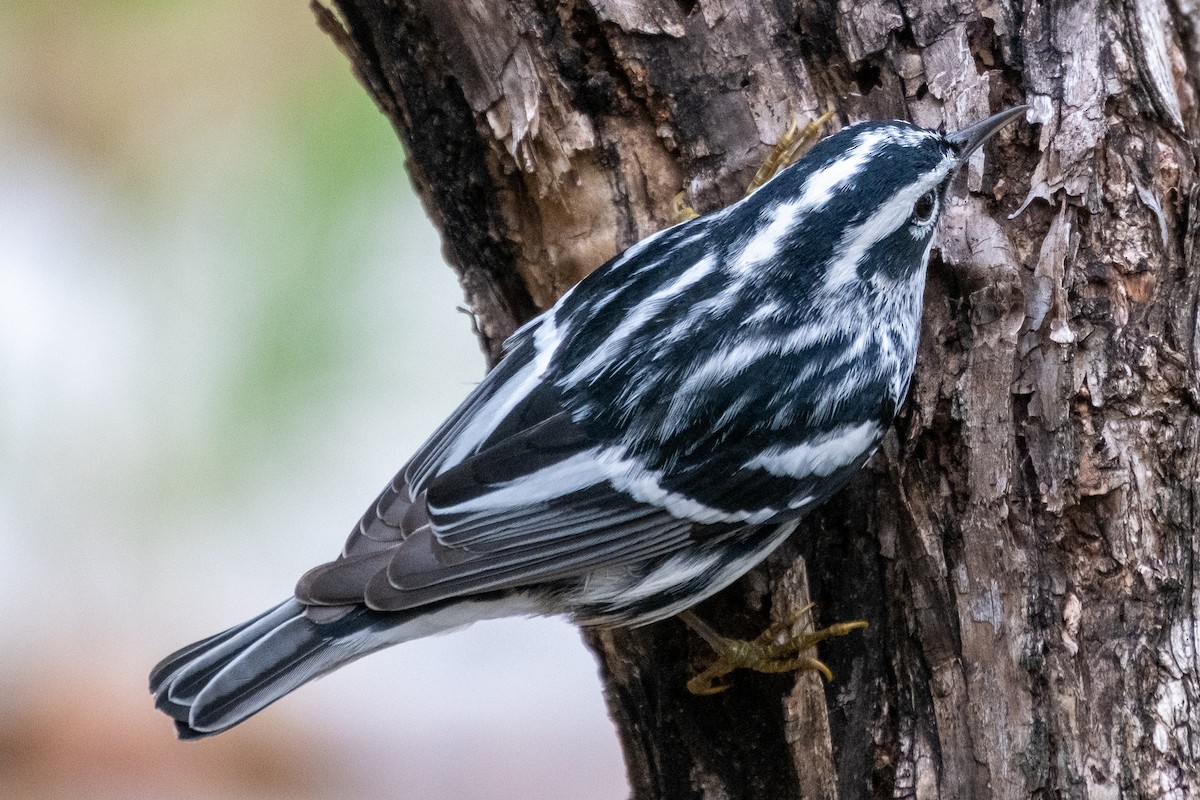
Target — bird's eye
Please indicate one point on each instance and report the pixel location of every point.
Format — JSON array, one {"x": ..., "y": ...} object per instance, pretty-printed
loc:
[{"x": 923, "y": 210}]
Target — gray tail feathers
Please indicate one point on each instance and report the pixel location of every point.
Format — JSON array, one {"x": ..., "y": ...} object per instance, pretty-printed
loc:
[{"x": 214, "y": 684}]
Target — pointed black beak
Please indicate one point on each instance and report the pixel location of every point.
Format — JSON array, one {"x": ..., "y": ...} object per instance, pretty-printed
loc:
[{"x": 970, "y": 139}]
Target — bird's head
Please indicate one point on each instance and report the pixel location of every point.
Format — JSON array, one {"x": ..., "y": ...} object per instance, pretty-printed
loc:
[{"x": 873, "y": 191}]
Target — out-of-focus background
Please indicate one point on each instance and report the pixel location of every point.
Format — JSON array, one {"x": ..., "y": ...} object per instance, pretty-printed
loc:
[{"x": 224, "y": 323}]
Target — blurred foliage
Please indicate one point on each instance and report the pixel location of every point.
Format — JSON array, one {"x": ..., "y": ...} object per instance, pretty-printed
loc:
[{"x": 233, "y": 141}]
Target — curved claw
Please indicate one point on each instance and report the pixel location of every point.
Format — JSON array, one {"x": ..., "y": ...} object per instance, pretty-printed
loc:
[
  {"x": 777, "y": 649},
  {"x": 680, "y": 210},
  {"x": 707, "y": 683}
]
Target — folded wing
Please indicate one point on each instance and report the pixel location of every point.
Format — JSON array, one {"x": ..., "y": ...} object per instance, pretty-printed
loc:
[{"x": 532, "y": 505}]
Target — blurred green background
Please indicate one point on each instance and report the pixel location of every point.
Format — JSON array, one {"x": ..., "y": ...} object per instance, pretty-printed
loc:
[{"x": 224, "y": 323}]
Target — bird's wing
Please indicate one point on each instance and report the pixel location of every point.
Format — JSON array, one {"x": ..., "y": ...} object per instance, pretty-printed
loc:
[
  {"x": 509, "y": 490},
  {"x": 532, "y": 507}
]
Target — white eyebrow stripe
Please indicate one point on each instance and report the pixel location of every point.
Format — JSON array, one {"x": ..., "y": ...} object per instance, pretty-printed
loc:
[{"x": 886, "y": 220}]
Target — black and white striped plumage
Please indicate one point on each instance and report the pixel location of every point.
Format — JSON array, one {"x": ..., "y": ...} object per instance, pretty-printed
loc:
[{"x": 644, "y": 442}]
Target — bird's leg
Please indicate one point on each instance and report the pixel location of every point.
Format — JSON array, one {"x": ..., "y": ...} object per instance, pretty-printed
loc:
[
  {"x": 783, "y": 647},
  {"x": 786, "y": 151}
]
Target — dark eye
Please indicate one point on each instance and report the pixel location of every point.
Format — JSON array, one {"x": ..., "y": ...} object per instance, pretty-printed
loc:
[{"x": 923, "y": 210}]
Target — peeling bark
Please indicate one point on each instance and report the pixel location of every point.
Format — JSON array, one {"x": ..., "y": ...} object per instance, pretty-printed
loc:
[{"x": 1024, "y": 546}]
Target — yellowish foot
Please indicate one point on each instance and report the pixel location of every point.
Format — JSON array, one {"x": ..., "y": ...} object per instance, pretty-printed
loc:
[
  {"x": 786, "y": 151},
  {"x": 680, "y": 210},
  {"x": 783, "y": 647}
]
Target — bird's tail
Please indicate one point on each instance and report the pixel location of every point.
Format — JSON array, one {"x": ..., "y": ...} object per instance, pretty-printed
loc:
[{"x": 214, "y": 684}]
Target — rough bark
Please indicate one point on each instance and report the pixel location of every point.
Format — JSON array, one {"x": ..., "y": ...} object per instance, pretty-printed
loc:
[{"x": 1024, "y": 546}]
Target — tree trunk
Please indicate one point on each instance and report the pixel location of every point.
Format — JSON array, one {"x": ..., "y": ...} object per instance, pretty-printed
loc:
[{"x": 1024, "y": 546}]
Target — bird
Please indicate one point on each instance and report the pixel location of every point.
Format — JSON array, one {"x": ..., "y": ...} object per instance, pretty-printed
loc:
[{"x": 645, "y": 441}]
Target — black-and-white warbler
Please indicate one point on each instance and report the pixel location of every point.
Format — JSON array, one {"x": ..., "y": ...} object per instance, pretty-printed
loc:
[{"x": 644, "y": 442}]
